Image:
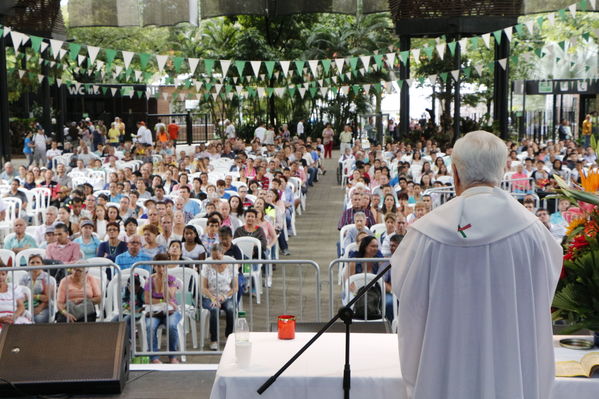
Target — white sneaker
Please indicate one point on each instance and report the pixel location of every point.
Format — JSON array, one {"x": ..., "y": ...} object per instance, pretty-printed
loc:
[{"x": 214, "y": 346}]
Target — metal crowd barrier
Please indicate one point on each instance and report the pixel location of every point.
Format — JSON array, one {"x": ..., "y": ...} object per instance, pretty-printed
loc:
[
  {"x": 196, "y": 309},
  {"x": 17, "y": 270},
  {"x": 341, "y": 264}
]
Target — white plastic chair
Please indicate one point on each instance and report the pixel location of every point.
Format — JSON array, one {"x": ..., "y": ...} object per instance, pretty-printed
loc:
[
  {"x": 26, "y": 254},
  {"x": 247, "y": 245},
  {"x": 350, "y": 247},
  {"x": 199, "y": 224},
  {"x": 114, "y": 290},
  {"x": 378, "y": 229},
  {"x": 342, "y": 234},
  {"x": 7, "y": 255},
  {"x": 41, "y": 197}
]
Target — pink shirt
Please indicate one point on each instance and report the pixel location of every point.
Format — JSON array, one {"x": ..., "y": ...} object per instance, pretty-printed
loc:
[
  {"x": 68, "y": 289},
  {"x": 69, "y": 253}
]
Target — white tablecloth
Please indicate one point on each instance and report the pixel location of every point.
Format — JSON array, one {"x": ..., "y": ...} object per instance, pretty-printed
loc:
[{"x": 318, "y": 373}]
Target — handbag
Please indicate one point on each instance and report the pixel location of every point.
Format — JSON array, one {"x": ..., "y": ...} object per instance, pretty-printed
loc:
[
  {"x": 373, "y": 305},
  {"x": 81, "y": 309}
]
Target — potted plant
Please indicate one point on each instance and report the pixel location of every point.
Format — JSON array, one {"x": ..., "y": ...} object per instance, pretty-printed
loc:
[{"x": 577, "y": 295}]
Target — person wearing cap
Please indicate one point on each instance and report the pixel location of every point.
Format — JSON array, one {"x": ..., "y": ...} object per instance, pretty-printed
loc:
[
  {"x": 49, "y": 238},
  {"x": 50, "y": 222},
  {"x": 88, "y": 242}
]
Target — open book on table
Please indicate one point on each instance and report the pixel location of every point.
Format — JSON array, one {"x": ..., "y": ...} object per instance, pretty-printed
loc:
[{"x": 586, "y": 367}]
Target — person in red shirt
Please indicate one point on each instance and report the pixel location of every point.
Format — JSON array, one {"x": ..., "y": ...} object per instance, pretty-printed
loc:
[{"x": 173, "y": 131}]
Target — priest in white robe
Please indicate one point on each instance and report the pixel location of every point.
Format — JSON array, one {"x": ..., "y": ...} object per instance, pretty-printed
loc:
[{"x": 475, "y": 280}]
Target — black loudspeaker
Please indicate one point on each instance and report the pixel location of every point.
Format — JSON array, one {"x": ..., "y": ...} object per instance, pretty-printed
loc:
[{"x": 70, "y": 358}]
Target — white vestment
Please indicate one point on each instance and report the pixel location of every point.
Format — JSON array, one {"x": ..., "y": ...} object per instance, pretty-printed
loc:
[{"x": 474, "y": 305}]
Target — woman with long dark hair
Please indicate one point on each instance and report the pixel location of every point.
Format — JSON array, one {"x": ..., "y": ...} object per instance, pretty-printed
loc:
[{"x": 192, "y": 245}]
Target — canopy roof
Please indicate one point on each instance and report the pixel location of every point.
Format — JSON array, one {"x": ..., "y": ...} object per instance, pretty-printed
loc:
[{"x": 170, "y": 12}]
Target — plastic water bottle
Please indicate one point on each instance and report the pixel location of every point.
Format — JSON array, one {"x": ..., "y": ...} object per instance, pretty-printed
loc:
[
  {"x": 242, "y": 329},
  {"x": 243, "y": 346}
]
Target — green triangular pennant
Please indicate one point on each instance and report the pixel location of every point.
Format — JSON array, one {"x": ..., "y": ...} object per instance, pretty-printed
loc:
[
  {"x": 313, "y": 91},
  {"x": 110, "y": 54},
  {"x": 404, "y": 55},
  {"x": 187, "y": 83},
  {"x": 356, "y": 89},
  {"x": 209, "y": 66},
  {"x": 139, "y": 93},
  {"x": 378, "y": 59},
  {"x": 269, "y": 91},
  {"x": 498, "y": 34},
  {"x": 539, "y": 52},
  {"x": 377, "y": 87},
  {"x": 467, "y": 72},
  {"x": 562, "y": 45},
  {"x": 240, "y": 65},
  {"x": 291, "y": 91},
  {"x": 299, "y": 65},
  {"x": 177, "y": 62},
  {"x": 74, "y": 51},
  {"x": 104, "y": 90},
  {"x": 562, "y": 14},
  {"x": 474, "y": 42},
  {"x": 443, "y": 76},
  {"x": 586, "y": 36},
  {"x": 428, "y": 50},
  {"x": 36, "y": 41},
  {"x": 326, "y": 65},
  {"x": 353, "y": 63},
  {"x": 520, "y": 29},
  {"x": 540, "y": 20},
  {"x": 270, "y": 67},
  {"x": 452, "y": 46},
  {"x": 583, "y": 5}
]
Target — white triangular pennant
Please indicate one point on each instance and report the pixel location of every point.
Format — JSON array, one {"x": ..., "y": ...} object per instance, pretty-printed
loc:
[
  {"x": 362, "y": 71},
  {"x": 193, "y": 64},
  {"x": 503, "y": 63},
  {"x": 432, "y": 79},
  {"x": 572, "y": 9},
  {"x": 261, "y": 92},
  {"x": 138, "y": 75},
  {"x": 80, "y": 59},
  {"x": 416, "y": 55},
  {"x": 365, "y": 61},
  {"x": 455, "y": 74},
  {"x": 593, "y": 4},
  {"x": 117, "y": 70},
  {"x": 551, "y": 18},
  {"x": 55, "y": 45},
  {"x": 59, "y": 82},
  {"x": 214, "y": 96},
  {"x": 224, "y": 65},
  {"x": 313, "y": 67},
  {"x": 218, "y": 87},
  {"x": 62, "y": 53},
  {"x": 7, "y": 30},
  {"x": 509, "y": 33},
  {"x": 323, "y": 91},
  {"x": 530, "y": 26},
  {"x": 366, "y": 88},
  {"x": 165, "y": 96},
  {"x": 390, "y": 59},
  {"x": 344, "y": 90},
  {"x": 181, "y": 96},
  {"x": 95, "y": 88},
  {"x": 40, "y": 60},
  {"x": 487, "y": 39},
  {"x": 43, "y": 47},
  {"x": 463, "y": 45},
  {"x": 21, "y": 73},
  {"x": 479, "y": 69},
  {"x": 40, "y": 78},
  {"x": 339, "y": 62},
  {"x": 131, "y": 94},
  {"x": 320, "y": 82},
  {"x": 285, "y": 67},
  {"x": 256, "y": 67},
  {"x": 92, "y": 51},
  {"x": 16, "y": 37},
  {"x": 161, "y": 61},
  {"x": 441, "y": 50},
  {"x": 348, "y": 75},
  {"x": 238, "y": 89},
  {"x": 302, "y": 92},
  {"x": 409, "y": 82},
  {"x": 127, "y": 58},
  {"x": 198, "y": 85},
  {"x": 198, "y": 96},
  {"x": 279, "y": 91}
]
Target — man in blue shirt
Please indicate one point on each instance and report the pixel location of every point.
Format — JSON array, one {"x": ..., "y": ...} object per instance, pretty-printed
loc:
[
  {"x": 190, "y": 208},
  {"x": 133, "y": 255},
  {"x": 19, "y": 241}
]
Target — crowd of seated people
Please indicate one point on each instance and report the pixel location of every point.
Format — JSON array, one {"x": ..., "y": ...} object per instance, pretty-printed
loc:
[
  {"x": 387, "y": 189},
  {"x": 124, "y": 194}
]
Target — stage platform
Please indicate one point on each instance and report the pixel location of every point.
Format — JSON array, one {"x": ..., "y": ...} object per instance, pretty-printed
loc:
[{"x": 181, "y": 381}]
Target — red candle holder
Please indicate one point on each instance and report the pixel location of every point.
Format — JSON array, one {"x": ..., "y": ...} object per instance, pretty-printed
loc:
[{"x": 286, "y": 327}]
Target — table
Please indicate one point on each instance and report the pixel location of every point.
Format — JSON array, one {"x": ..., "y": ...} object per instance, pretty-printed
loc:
[{"x": 318, "y": 372}]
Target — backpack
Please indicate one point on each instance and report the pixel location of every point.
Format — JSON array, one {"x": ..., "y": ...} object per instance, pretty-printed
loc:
[{"x": 373, "y": 304}]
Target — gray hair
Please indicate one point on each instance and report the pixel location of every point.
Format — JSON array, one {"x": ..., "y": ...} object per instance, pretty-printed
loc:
[
  {"x": 480, "y": 158},
  {"x": 359, "y": 214}
]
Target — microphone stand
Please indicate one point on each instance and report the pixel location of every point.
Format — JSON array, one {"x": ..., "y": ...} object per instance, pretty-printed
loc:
[{"x": 346, "y": 314}]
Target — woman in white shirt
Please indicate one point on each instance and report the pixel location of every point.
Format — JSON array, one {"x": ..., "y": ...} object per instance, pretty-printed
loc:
[
  {"x": 219, "y": 286},
  {"x": 192, "y": 245}
]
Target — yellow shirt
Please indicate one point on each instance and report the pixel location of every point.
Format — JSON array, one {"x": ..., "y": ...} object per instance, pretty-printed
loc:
[
  {"x": 587, "y": 127},
  {"x": 113, "y": 135}
]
